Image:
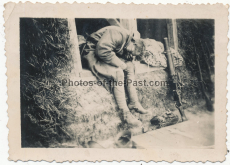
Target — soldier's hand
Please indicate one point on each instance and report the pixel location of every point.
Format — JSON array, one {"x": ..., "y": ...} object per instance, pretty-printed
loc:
[{"x": 123, "y": 66}]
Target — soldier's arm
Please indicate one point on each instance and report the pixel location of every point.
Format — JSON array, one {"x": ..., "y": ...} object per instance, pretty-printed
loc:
[{"x": 106, "y": 46}]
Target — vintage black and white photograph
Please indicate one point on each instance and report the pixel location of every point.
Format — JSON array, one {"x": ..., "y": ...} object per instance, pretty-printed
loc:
[
  {"x": 117, "y": 83},
  {"x": 126, "y": 82}
]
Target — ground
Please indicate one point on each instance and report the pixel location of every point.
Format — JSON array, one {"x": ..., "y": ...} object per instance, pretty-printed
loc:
[
  {"x": 197, "y": 132},
  {"x": 96, "y": 116}
]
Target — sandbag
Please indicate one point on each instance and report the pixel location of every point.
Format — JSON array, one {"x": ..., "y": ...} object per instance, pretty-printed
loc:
[{"x": 154, "y": 54}]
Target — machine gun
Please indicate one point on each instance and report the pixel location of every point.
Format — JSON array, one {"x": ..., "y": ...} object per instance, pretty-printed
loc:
[{"x": 175, "y": 82}]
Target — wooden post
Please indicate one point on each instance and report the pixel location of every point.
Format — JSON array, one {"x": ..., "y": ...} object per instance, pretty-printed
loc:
[
  {"x": 127, "y": 23},
  {"x": 172, "y": 33},
  {"x": 77, "y": 67},
  {"x": 130, "y": 24},
  {"x": 114, "y": 22},
  {"x": 175, "y": 36}
]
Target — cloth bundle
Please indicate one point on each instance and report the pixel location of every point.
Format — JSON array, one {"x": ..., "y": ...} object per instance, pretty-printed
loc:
[
  {"x": 154, "y": 54},
  {"x": 165, "y": 119}
]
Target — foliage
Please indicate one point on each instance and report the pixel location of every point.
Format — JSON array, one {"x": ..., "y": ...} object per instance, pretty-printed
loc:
[
  {"x": 45, "y": 56},
  {"x": 196, "y": 43}
]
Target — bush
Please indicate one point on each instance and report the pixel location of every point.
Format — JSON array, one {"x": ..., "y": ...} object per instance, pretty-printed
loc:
[
  {"x": 44, "y": 60},
  {"x": 196, "y": 39}
]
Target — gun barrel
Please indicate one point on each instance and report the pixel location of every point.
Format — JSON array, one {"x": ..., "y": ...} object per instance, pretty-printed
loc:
[{"x": 169, "y": 57}]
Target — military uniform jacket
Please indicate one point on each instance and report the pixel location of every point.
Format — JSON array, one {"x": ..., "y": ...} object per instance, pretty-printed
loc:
[{"x": 111, "y": 41}]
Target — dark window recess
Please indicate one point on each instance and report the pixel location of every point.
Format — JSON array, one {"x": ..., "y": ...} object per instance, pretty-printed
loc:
[
  {"x": 153, "y": 28},
  {"x": 86, "y": 27}
]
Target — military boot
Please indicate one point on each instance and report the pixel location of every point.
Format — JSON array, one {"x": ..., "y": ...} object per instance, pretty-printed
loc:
[
  {"x": 134, "y": 103},
  {"x": 136, "y": 106},
  {"x": 130, "y": 119},
  {"x": 119, "y": 94},
  {"x": 132, "y": 93}
]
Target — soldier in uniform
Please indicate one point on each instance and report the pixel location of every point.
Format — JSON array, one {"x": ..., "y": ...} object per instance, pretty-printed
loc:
[{"x": 112, "y": 59}]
